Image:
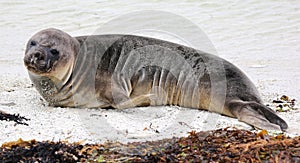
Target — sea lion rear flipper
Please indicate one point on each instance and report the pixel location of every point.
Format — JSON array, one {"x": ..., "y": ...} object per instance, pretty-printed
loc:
[{"x": 256, "y": 114}]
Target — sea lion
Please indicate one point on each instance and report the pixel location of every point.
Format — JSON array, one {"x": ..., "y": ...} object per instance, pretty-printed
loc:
[{"x": 122, "y": 71}]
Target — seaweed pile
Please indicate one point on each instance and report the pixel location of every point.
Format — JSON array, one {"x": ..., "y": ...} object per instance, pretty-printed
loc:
[{"x": 223, "y": 145}]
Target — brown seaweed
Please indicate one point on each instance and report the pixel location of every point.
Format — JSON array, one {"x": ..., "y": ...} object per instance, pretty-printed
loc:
[
  {"x": 13, "y": 117},
  {"x": 223, "y": 145}
]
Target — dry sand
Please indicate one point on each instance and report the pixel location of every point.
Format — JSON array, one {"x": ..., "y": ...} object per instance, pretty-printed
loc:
[{"x": 98, "y": 125}]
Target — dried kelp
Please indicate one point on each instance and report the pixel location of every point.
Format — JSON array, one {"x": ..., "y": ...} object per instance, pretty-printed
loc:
[{"x": 223, "y": 145}]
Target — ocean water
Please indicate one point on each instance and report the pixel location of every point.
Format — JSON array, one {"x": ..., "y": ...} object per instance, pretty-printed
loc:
[{"x": 260, "y": 37}]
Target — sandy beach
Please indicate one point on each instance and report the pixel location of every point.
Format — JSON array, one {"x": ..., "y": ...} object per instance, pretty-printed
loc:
[{"x": 262, "y": 38}]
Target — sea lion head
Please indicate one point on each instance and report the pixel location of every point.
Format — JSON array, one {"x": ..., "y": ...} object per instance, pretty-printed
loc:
[{"x": 51, "y": 52}]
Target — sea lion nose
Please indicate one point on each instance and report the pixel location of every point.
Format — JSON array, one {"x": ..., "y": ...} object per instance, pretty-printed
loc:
[{"x": 37, "y": 56}]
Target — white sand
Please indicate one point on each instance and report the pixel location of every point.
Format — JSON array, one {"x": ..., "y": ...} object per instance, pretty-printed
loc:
[
  {"x": 91, "y": 125},
  {"x": 260, "y": 37}
]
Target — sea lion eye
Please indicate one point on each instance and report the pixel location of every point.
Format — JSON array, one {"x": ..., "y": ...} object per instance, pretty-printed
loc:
[
  {"x": 54, "y": 52},
  {"x": 32, "y": 43}
]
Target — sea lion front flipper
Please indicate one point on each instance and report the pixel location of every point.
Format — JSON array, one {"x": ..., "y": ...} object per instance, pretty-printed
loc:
[
  {"x": 256, "y": 114},
  {"x": 143, "y": 100}
]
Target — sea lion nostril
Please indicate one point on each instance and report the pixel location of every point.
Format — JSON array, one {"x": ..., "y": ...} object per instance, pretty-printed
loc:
[{"x": 38, "y": 56}]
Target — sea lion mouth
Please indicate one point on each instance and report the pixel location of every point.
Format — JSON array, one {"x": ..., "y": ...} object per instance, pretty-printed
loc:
[
  {"x": 39, "y": 68},
  {"x": 38, "y": 63}
]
